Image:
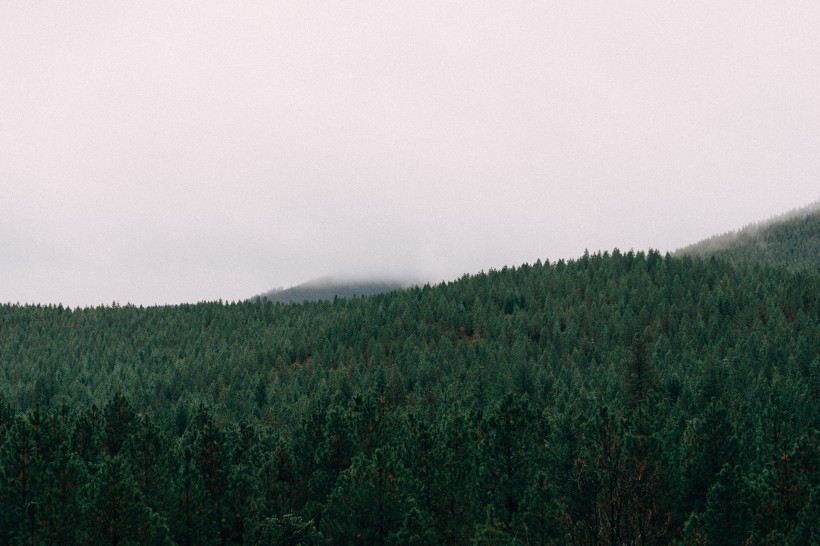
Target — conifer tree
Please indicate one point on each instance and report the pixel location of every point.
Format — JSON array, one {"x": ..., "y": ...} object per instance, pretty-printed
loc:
[
  {"x": 453, "y": 477},
  {"x": 60, "y": 504},
  {"x": 640, "y": 376},
  {"x": 193, "y": 520},
  {"x": 416, "y": 530},
  {"x": 20, "y": 477},
  {"x": 726, "y": 517},
  {"x": 289, "y": 529},
  {"x": 117, "y": 514},
  {"x": 151, "y": 458},
  {"x": 368, "y": 504},
  {"x": 508, "y": 455},
  {"x": 539, "y": 518},
  {"x": 708, "y": 444}
]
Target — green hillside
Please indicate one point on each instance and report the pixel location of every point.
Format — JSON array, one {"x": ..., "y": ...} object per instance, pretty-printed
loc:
[
  {"x": 619, "y": 398},
  {"x": 791, "y": 240}
]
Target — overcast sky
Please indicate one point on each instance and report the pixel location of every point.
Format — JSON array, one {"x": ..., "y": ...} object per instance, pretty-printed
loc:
[{"x": 166, "y": 152}]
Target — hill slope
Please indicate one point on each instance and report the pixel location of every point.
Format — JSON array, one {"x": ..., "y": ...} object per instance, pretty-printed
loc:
[
  {"x": 513, "y": 406},
  {"x": 619, "y": 398},
  {"x": 328, "y": 288},
  {"x": 791, "y": 240}
]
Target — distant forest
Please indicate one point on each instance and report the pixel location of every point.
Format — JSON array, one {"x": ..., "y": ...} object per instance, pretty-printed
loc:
[
  {"x": 620, "y": 398},
  {"x": 329, "y": 288},
  {"x": 791, "y": 241}
]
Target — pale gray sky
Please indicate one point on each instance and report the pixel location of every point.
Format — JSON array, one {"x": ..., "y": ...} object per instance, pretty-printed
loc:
[{"x": 160, "y": 152}]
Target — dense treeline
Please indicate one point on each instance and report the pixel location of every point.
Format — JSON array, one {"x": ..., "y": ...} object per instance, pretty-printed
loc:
[{"x": 622, "y": 398}]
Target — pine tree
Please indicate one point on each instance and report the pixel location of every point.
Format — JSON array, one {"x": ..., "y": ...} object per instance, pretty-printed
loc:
[
  {"x": 368, "y": 502},
  {"x": 332, "y": 456},
  {"x": 290, "y": 529},
  {"x": 726, "y": 518},
  {"x": 416, "y": 530},
  {"x": 453, "y": 478},
  {"x": 61, "y": 503},
  {"x": 117, "y": 514},
  {"x": 538, "y": 520},
  {"x": 86, "y": 439},
  {"x": 493, "y": 532},
  {"x": 509, "y": 456},
  {"x": 193, "y": 520},
  {"x": 212, "y": 456},
  {"x": 640, "y": 375},
  {"x": 120, "y": 421},
  {"x": 150, "y": 457},
  {"x": 20, "y": 477},
  {"x": 708, "y": 444}
]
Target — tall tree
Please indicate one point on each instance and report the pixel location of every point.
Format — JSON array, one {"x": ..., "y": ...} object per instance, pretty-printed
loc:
[{"x": 117, "y": 514}]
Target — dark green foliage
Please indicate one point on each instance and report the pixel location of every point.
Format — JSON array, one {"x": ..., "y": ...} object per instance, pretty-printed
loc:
[
  {"x": 640, "y": 377},
  {"x": 707, "y": 445},
  {"x": 368, "y": 504},
  {"x": 623, "y": 398},
  {"x": 493, "y": 532},
  {"x": 116, "y": 510},
  {"x": 784, "y": 494},
  {"x": 192, "y": 518},
  {"x": 120, "y": 421},
  {"x": 21, "y": 480},
  {"x": 508, "y": 457},
  {"x": 289, "y": 529},
  {"x": 149, "y": 455},
  {"x": 539, "y": 518},
  {"x": 726, "y": 518},
  {"x": 451, "y": 485},
  {"x": 60, "y": 508},
  {"x": 617, "y": 498},
  {"x": 416, "y": 530}
]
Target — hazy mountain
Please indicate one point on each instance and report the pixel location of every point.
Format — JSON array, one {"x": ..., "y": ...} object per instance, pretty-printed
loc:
[
  {"x": 790, "y": 240},
  {"x": 327, "y": 288}
]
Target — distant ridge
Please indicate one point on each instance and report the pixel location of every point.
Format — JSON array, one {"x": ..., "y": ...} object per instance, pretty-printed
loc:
[
  {"x": 790, "y": 240},
  {"x": 328, "y": 288}
]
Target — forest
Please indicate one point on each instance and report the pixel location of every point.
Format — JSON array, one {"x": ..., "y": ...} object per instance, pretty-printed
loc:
[{"x": 618, "y": 398}]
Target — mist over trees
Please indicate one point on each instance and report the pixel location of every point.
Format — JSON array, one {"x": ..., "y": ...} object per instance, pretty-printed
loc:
[
  {"x": 620, "y": 398},
  {"x": 329, "y": 288},
  {"x": 791, "y": 240}
]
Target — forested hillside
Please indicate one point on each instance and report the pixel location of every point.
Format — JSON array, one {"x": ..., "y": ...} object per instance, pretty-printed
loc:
[
  {"x": 329, "y": 288},
  {"x": 622, "y": 398},
  {"x": 791, "y": 241}
]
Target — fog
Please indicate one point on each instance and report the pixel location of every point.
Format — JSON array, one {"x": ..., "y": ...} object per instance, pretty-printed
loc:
[
  {"x": 748, "y": 233},
  {"x": 157, "y": 152}
]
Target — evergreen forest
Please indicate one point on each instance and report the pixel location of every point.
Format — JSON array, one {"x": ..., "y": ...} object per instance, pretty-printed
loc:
[
  {"x": 791, "y": 240},
  {"x": 621, "y": 398}
]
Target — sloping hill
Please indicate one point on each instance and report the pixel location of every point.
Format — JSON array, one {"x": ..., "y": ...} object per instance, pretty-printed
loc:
[
  {"x": 490, "y": 409},
  {"x": 791, "y": 240},
  {"x": 327, "y": 288}
]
